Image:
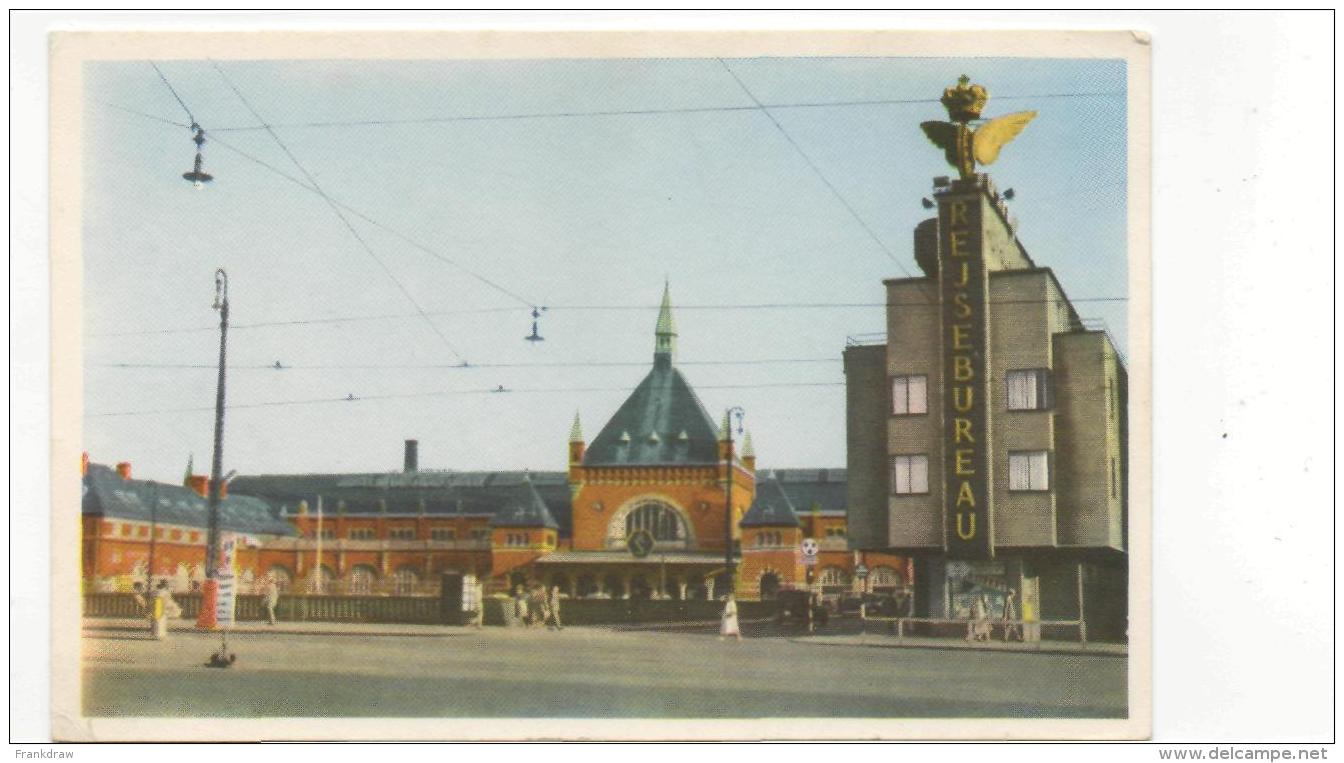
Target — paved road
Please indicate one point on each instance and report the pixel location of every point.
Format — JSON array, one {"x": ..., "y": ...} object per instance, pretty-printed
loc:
[{"x": 583, "y": 672}]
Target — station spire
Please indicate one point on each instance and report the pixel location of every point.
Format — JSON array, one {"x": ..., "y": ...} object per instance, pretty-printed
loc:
[{"x": 665, "y": 334}]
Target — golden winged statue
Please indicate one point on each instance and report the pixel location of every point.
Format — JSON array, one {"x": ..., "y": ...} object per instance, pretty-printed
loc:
[{"x": 965, "y": 147}]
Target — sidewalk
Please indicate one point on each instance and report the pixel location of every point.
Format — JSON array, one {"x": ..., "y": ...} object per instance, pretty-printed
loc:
[
  {"x": 97, "y": 625},
  {"x": 887, "y": 641}
]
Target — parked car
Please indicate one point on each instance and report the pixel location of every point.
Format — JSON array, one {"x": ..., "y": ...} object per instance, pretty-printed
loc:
[{"x": 793, "y": 609}]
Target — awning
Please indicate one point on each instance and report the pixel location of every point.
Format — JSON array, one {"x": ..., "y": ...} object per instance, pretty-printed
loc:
[{"x": 625, "y": 557}]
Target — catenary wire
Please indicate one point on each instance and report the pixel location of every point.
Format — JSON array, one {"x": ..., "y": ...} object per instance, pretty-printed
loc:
[
  {"x": 176, "y": 97},
  {"x": 598, "y": 308},
  {"x": 382, "y": 226},
  {"x": 461, "y": 366},
  {"x": 448, "y": 393},
  {"x": 815, "y": 169},
  {"x": 638, "y": 112},
  {"x": 340, "y": 214}
]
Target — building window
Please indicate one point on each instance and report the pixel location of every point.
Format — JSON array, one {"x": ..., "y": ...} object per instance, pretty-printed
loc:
[
  {"x": 405, "y": 580},
  {"x": 142, "y": 531},
  {"x": 835, "y": 532},
  {"x": 126, "y": 530},
  {"x": 195, "y": 537},
  {"x": 480, "y": 534},
  {"x": 402, "y": 533},
  {"x": 1029, "y": 470},
  {"x": 361, "y": 533},
  {"x": 442, "y": 533},
  {"x": 660, "y": 520},
  {"x": 1028, "y": 390},
  {"x": 909, "y": 475},
  {"x": 909, "y": 395},
  {"x": 281, "y": 576},
  {"x": 327, "y": 534},
  {"x": 361, "y": 579}
]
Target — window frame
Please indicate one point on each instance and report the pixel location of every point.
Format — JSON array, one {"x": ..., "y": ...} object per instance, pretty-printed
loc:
[
  {"x": 1049, "y": 471},
  {"x": 1044, "y": 389},
  {"x": 891, "y": 394},
  {"x": 892, "y": 487}
]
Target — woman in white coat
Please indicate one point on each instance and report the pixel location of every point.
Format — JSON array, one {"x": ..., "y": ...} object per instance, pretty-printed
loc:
[{"x": 728, "y": 626}]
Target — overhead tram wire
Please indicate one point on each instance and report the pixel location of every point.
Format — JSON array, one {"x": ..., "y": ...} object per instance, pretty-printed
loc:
[
  {"x": 595, "y": 308},
  {"x": 524, "y": 301},
  {"x": 469, "y": 367},
  {"x": 634, "y": 112},
  {"x": 816, "y": 170},
  {"x": 173, "y": 90},
  {"x": 449, "y": 393},
  {"x": 340, "y": 214}
]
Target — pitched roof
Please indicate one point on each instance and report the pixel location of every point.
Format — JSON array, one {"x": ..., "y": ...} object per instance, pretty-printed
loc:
[
  {"x": 107, "y": 494},
  {"x": 524, "y": 507},
  {"x": 771, "y": 507},
  {"x": 409, "y": 493},
  {"x": 806, "y": 488},
  {"x": 662, "y": 422}
]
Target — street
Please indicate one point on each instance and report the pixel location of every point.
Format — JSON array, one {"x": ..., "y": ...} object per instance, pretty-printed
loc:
[{"x": 583, "y": 672}]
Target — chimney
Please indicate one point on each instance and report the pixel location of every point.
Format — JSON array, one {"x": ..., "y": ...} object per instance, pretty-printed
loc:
[
  {"x": 412, "y": 456},
  {"x": 200, "y": 485},
  {"x": 124, "y": 470},
  {"x": 84, "y": 464}
]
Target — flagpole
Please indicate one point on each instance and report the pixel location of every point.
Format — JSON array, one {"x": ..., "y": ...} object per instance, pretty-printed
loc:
[{"x": 317, "y": 571}]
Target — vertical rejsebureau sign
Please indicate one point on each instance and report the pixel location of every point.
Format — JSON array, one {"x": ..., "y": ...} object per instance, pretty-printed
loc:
[{"x": 964, "y": 286}]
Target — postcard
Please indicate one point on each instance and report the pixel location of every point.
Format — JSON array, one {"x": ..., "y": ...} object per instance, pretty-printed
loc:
[{"x": 601, "y": 385}]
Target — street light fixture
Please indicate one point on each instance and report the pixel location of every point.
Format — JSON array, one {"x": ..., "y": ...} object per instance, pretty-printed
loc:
[{"x": 197, "y": 177}]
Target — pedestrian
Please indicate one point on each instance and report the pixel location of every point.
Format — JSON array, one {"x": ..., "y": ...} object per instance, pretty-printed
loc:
[
  {"x": 538, "y": 606},
  {"x": 164, "y": 608},
  {"x": 973, "y": 624},
  {"x": 271, "y": 597},
  {"x": 729, "y": 625},
  {"x": 519, "y": 605},
  {"x": 1010, "y": 624},
  {"x": 479, "y": 589},
  {"x": 555, "y": 608},
  {"x": 984, "y": 626},
  {"x": 141, "y": 603}
]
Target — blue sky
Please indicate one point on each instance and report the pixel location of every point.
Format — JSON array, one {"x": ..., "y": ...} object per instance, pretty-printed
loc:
[{"x": 585, "y": 214}]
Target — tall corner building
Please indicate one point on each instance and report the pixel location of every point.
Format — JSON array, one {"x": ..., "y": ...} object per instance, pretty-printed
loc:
[{"x": 987, "y": 436}]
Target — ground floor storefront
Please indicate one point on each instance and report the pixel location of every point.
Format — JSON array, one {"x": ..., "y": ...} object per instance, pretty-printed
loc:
[{"x": 1067, "y": 595}]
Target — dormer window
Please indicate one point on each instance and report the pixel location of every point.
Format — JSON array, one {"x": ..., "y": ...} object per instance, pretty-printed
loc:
[{"x": 625, "y": 438}]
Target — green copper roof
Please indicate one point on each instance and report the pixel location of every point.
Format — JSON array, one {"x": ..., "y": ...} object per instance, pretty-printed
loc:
[
  {"x": 576, "y": 431},
  {"x": 665, "y": 333},
  {"x": 662, "y": 422}
]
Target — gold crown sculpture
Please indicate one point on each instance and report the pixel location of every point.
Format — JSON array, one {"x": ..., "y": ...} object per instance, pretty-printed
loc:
[
  {"x": 965, "y": 147},
  {"x": 965, "y": 101}
]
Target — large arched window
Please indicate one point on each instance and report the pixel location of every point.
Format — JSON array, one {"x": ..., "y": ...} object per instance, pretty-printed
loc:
[
  {"x": 661, "y": 520},
  {"x": 361, "y": 579}
]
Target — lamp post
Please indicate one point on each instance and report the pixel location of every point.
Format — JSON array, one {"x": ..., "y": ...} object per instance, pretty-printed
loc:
[
  {"x": 153, "y": 533},
  {"x": 210, "y": 590},
  {"x": 729, "y": 568}
]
